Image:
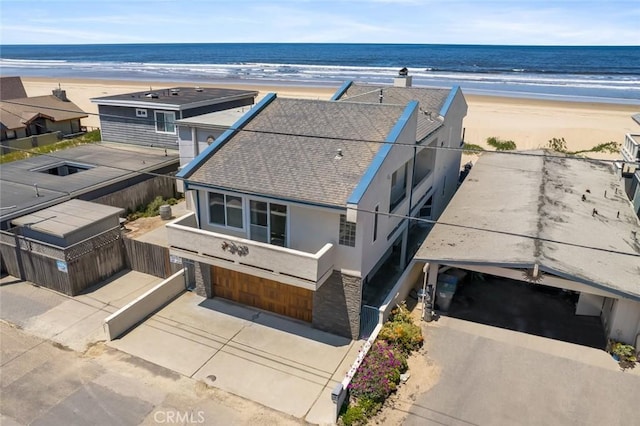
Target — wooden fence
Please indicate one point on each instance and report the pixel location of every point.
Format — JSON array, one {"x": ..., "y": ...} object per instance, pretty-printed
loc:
[
  {"x": 67, "y": 270},
  {"x": 149, "y": 258}
]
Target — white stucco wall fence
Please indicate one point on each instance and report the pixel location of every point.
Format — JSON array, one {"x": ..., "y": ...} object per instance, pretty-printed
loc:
[{"x": 146, "y": 304}]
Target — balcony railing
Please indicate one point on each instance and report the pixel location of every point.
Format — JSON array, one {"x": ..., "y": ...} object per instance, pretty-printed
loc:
[{"x": 308, "y": 270}]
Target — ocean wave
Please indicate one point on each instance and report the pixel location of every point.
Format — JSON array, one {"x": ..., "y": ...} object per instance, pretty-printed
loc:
[{"x": 516, "y": 79}]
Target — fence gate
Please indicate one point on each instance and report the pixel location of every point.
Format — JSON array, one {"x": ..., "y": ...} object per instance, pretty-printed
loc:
[
  {"x": 190, "y": 273},
  {"x": 369, "y": 317}
]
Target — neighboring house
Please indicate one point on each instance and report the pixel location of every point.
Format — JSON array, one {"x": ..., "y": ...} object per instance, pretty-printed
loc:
[
  {"x": 630, "y": 166},
  {"x": 149, "y": 118},
  {"x": 195, "y": 134},
  {"x": 564, "y": 223},
  {"x": 119, "y": 175},
  {"x": 301, "y": 201},
  {"x": 11, "y": 88},
  {"x": 37, "y": 115}
]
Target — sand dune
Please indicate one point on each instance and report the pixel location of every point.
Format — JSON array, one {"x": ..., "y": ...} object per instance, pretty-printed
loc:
[{"x": 528, "y": 122}]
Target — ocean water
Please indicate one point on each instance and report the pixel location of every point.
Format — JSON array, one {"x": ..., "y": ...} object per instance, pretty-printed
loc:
[{"x": 589, "y": 73}]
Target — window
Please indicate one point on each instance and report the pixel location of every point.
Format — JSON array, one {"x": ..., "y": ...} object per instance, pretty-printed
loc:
[
  {"x": 11, "y": 134},
  {"x": 398, "y": 187},
  {"x": 225, "y": 210},
  {"x": 347, "y": 235},
  {"x": 165, "y": 122},
  {"x": 375, "y": 224},
  {"x": 141, "y": 113},
  {"x": 268, "y": 223}
]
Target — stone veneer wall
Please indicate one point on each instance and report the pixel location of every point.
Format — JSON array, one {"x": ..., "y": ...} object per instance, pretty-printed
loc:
[
  {"x": 203, "y": 279},
  {"x": 336, "y": 305}
]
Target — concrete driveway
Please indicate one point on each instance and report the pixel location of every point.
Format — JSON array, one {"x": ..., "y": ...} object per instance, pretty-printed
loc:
[
  {"x": 493, "y": 376},
  {"x": 277, "y": 362}
]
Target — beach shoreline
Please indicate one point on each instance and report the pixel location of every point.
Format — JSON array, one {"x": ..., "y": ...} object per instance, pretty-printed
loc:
[{"x": 530, "y": 122}]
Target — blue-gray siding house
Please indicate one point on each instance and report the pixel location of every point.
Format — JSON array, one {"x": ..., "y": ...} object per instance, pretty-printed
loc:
[{"x": 148, "y": 118}]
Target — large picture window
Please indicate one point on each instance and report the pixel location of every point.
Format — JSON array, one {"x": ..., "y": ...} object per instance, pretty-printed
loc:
[
  {"x": 347, "y": 235},
  {"x": 225, "y": 210},
  {"x": 165, "y": 122}
]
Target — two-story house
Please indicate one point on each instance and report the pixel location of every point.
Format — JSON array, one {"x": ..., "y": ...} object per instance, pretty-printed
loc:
[
  {"x": 149, "y": 118},
  {"x": 630, "y": 166},
  {"x": 300, "y": 201}
]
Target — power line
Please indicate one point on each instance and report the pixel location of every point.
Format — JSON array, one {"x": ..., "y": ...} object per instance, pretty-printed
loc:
[
  {"x": 407, "y": 144},
  {"x": 407, "y": 217}
]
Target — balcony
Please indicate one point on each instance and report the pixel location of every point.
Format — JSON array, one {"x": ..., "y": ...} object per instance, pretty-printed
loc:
[
  {"x": 301, "y": 269},
  {"x": 631, "y": 148}
]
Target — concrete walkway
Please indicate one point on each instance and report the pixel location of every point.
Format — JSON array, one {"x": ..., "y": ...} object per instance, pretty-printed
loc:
[
  {"x": 277, "y": 362},
  {"x": 74, "y": 322}
]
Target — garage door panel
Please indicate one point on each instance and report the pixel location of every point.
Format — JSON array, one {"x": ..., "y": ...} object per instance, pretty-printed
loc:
[{"x": 262, "y": 293}]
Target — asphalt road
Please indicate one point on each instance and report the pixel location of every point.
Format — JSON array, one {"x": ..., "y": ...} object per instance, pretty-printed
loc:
[
  {"x": 43, "y": 383},
  {"x": 518, "y": 379}
]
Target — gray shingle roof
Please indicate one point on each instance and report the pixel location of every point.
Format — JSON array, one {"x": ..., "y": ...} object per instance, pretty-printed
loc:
[
  {"x": 541, "y": 197},
  {"x": 431, "y": 101},
  {"x": 11, "y": 88},
  {"x": 289, "y": 150}
]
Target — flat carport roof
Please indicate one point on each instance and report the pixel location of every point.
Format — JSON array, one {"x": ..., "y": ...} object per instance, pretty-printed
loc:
[{"x": 520, "y": 211}]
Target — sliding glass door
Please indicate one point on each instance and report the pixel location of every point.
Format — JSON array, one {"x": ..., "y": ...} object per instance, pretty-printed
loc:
[{"x": 268, "y": 222}]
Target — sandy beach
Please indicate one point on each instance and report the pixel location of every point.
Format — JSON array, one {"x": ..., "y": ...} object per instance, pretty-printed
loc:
[{"x": 528, "y": 122}]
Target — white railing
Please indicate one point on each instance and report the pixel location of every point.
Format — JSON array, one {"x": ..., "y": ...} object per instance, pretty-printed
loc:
[{"x": 187, "y": 241}]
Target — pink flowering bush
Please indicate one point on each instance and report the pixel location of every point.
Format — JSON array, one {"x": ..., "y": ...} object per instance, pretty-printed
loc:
[{"x": 379, "y": 373}]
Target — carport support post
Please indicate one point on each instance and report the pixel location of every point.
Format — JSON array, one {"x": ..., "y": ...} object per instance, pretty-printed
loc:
[{"x": 432, "y": 280}]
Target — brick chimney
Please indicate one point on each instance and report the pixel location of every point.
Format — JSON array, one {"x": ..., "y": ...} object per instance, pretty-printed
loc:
[{"x": 60, "y": 94}]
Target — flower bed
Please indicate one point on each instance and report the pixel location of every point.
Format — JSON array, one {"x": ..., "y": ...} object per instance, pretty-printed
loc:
[
  {"x": 379, "y": 373},
  {"x": 626, "y": 355}
]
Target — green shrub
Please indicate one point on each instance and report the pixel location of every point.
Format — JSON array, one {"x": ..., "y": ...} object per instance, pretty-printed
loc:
[
  {"x": 471, "y": 148},
  {"x": 151, "y": 209},
  {"x": 501, "y": 145},
  {"x": 359, "y": 412},
  {"x": 353, "y": 415},
  {"x": 557, "y": 145},
  {"x": 407, "y": 337},
  {"x": 401, "y": 332},
  {"x": 401, "y": 314}
]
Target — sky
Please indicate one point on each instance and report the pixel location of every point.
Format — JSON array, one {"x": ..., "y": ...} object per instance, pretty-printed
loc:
[{"x": 514, "y": 22}]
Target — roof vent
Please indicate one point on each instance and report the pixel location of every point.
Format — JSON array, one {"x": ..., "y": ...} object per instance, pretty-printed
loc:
[
  {"x": 151, "y": 95},
  {"x": 338, "y": 155}
]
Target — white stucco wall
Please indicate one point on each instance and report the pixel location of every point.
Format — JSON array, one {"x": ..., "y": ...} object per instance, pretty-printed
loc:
[
  {"x": 313, "y": 227},
  {"x": 447, "y": 168},
  {"x": 624, "y": 323},
  {"x": 377, "y": 194}
]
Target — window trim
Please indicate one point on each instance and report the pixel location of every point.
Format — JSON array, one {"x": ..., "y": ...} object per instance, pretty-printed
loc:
[
  {"x": 268, "y": 212},
  {"x": 141, "y": 113},
  {"x": 172, "y": 121},
  {"x": 226, "y": 220}
]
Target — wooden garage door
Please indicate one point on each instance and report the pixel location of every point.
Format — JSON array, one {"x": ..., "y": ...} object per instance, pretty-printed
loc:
[{"x": 262, "y": 293}]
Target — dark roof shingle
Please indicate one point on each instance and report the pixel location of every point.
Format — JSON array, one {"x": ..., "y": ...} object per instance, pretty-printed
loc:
[{"x": 290, "y": 150}]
